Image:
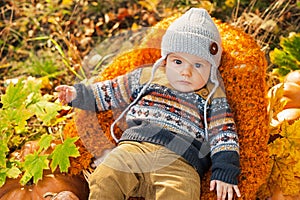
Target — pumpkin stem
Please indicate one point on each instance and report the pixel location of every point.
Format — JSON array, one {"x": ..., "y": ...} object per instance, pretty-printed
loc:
[
  {"x": 30, "y": 182},
  {"x": 49, "y": 194}
]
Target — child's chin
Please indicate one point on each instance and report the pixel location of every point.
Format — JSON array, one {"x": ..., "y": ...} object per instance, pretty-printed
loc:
[{"x": 184, "y": 89}]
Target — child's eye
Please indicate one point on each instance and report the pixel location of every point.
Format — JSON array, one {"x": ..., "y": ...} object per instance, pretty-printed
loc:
[
  {"x": 198, "y": 65},
  {"x": 178, "y": 62}
]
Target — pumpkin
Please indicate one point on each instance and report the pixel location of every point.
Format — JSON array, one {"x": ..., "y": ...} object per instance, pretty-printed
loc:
[
  {"x": 289, "y": 114},
  {"x": 291, "y": 90},
  {"x": 291, "y": 95},
  {"x": 51, "y": 184},
  {"x": 278, "y": 195},
  {"x": 65, "y": 195},
  {"x": 293, "y": 77}
]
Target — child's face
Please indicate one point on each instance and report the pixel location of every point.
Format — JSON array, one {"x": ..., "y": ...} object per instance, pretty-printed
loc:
[{"x": 186, "y": 72}]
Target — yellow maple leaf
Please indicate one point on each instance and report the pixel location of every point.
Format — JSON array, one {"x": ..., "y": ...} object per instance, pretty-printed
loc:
[
  {"x": 135, "y": 27},
  {"x": 284, "y": 150},
  {"x": 67, "y": 2},
  {"x": 297, "y": 168},
  {"x": 293, "y": 131},
  {"x": 149, "y": 5},
  {"x": 288, "y": 183},
  {"x": 278, "y": 147}
]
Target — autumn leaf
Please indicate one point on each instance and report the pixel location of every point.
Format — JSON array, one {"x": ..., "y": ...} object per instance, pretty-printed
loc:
[
  {"x": 15, "y": 96},
  {"x": 67, "y": 2},
  {"x": 17, "y": 117},
  {"x": 13, "y": 172},
  {"x": 45, "y": 142},
  {"x": 292, "y": 131},
  {"x": 297, "y": 168},
  {"x": 278, "y": 147},
  {"x": 62, "y": 152},
  {"x": 34, "y": 165},
  {"x": 149, "y": 5},
  {"x": 2, "y": 177},
  {"x": 287, "y": 57},
  {"x": 46, "y": 111},
  {"x": 3, "y": 150},
  {"x": 285, "y": 152},
  {"x": 288, "y": 182}
]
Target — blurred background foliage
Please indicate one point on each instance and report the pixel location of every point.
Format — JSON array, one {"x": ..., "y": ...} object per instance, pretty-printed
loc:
[{"x": 51, "y": 37}]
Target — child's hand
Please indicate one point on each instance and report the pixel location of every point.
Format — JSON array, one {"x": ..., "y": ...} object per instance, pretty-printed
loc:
[
  {"x": 66, "y": 93},
  {"x": 224, "y": 189}
]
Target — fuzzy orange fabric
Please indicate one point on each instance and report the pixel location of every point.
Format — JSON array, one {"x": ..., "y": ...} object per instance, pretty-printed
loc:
[
  {"x": 243, "y": 71},
  {"x": 85, "y": 158}
]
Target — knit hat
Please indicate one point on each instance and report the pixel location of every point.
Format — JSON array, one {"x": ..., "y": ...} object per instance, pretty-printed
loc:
[{"x": 194, "y": 33}]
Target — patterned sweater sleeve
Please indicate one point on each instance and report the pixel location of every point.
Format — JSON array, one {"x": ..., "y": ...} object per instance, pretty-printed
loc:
[
  {"x": 224, "y": 142},
  {"x": 109, "y": 94}
]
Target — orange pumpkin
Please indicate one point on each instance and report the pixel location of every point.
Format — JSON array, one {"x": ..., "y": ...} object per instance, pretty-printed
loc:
[
  {"x": 293, "y": 77},
  {"x": 289, "y": 114},
  {"x": 291, "y": 89},
  {"x": 278, "y": 195},
  {"x": 291, "y": 95},
  {"x": 50, "y": 185}
]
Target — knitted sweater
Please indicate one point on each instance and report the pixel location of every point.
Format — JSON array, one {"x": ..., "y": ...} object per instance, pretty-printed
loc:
[{"x": 170, "y": 118}]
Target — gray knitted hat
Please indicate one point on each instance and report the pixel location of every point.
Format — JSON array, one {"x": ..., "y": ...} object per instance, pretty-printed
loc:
[{"x": 194, "y": 33}]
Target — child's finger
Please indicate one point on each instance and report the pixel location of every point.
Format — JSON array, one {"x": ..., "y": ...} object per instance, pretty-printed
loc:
[
  {"x": 59, "y": 88},
  {"x": 220, "y": 191},
  {"x": 237, "y": 190},
  {"x": 212, "y": 185},
  {"x": 69, "y": 91},
  {"x": 62, "y": 88},
  {"x": 66, "y": 93},
  {"x": 61, "y": 96},
  {"x": 69, "y": 95},
  {"x": 230, "y": 193}
]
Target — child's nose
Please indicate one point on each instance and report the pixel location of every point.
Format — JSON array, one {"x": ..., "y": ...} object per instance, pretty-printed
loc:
[{"x": 186, "y": 70}]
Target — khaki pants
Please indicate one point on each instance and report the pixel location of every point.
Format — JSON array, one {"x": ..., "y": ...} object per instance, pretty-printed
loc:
[{"x": 146, "y": 170}]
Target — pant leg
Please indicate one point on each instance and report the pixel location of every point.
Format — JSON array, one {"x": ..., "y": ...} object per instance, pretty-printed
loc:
[
  {"x": 144, "y": 170},
  {"x": 166, "y": 175},
  {"x": 108, "y": 183},
  {"x": 176, "y": 181},
  {"x": 123, "y": 173}
]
